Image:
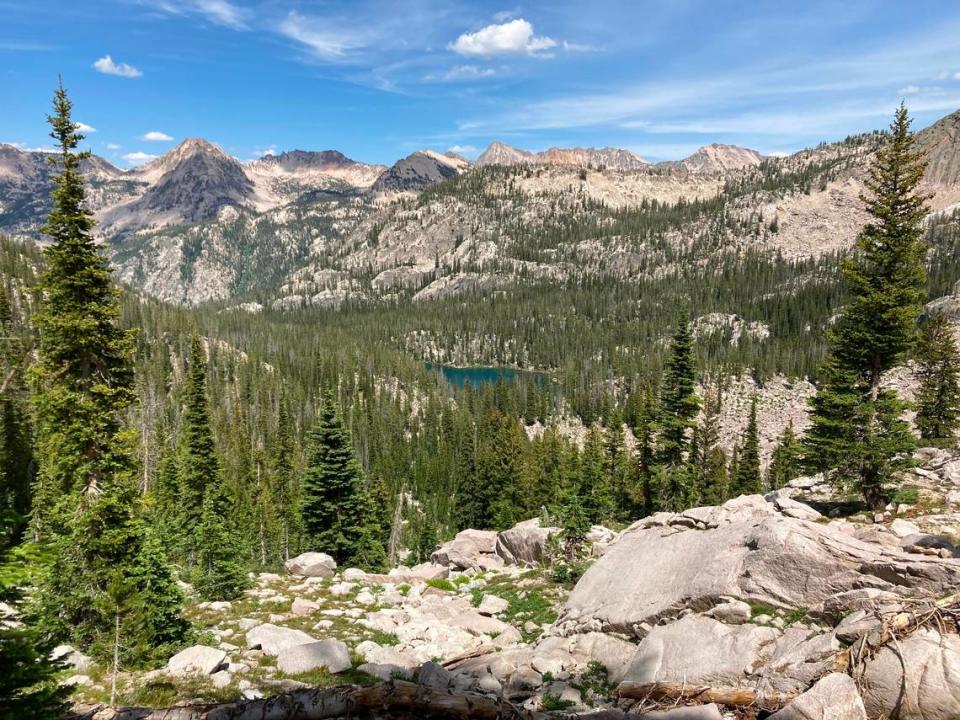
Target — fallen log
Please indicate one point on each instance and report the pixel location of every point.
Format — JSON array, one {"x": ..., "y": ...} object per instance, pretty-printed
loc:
[
  {"x": 396, "y": 697},
  {"x": 741, "y": 697}
]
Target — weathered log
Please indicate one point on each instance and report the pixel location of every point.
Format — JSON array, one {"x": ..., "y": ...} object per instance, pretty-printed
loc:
[
  {"x": 703, "y": 694},
  {"x": 396, "y": 696}
]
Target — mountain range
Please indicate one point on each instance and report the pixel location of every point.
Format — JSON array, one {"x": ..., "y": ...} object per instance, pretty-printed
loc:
[{"x": 304, "y": 228}]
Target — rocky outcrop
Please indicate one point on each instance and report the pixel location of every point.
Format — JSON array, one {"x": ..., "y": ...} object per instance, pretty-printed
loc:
[
  {"x": 746, "y": 549},
  {"x": 331, "y": 655},
  {"x": 835, "y": 697}
]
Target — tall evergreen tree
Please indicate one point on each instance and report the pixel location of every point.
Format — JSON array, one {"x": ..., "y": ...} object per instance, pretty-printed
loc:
[
  {"x": 938, "y": 371},
  {"x": 336, "y": 509},
  {"x": 87, "y": 508},
  {"x": 679, "y": 403},
  {"x": 199, "y": 468},
  {"x": 785, "y": 462},
  {"x": 748, "y": 480},
  {"x": 16, "y": 448},
  {"x": 857, "y": 426},
  {"x": 709, "y": 462}
]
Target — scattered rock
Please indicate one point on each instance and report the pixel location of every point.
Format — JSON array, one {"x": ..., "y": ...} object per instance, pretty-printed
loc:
[
  {"x": 304, "y": 607},
  {"x": 273, "y": 638},
  {"x": 434, "y": 675},
  {"x": 331, "y": 655},
  {"x": 733, "y": 612},
  {"x": 196, "y": 660},
  {"x": 492, "y": 604},
  {"x": 311, "y": 564}
]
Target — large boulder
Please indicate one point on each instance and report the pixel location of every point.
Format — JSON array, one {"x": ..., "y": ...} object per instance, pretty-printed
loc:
[
  {"x": 311, "y": 564},
  {"x": 272, "y": 639},
  {"x": 331, "y": 655},
  {"x": 918, "y": 678},
  {"x": 524, "y": 543},
  {"x": 834, "y": 697},
  {"x": 701, "y": 651},
  {"x": 745, "y": 549},
  {"x": 196, "y": 660},
  {"x": 469, "y": 549}
]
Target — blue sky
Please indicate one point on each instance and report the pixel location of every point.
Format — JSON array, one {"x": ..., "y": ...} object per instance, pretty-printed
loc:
[{"x": 378, "y": 79}]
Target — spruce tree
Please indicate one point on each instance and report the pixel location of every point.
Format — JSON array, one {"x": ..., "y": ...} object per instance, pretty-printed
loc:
[
  {"x": 937, "y": 398},
  {"x": 212, "y": 547},
  {"x": 87, "y": 511},
  {"x": 336, "y": 510},
  {"x": 199, "y": 468},
  {"x": 785, "y": 462},
  {"x": 29, "y": 687},
  {"x": 709, "y": 462},
  {"x": 858, "y": 432},
  {"x": 679, "y": 403},
  {"x": 16, "y": 448},
  {"x": 748, "y": 480}
]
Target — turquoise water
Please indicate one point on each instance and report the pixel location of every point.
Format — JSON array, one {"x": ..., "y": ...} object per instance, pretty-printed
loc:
[{"x": 477, "y": 376}]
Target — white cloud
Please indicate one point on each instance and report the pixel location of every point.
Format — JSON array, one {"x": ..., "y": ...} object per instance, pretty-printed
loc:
[
  {"x": 112, "y": 146},
  {"x": 139, "y": 158},
  {"x": 510, "y": 38},
  {"x": 107, "y": 66},
  {"x": 220, "y": 12},
  {"x": 324, "y": 41},
  {"x": 156, "y": 136},
  {"x": 956, "y": 76},
  {"x": 84, "y": 128}
]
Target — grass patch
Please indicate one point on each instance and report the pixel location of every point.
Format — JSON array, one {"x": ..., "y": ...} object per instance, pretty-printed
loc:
[
  {"x": 554, "y": 703},
  {"x": 595, "y": 683},
  {"x": 441, "y": 584},
  {"x": 907, "y": 495},
  {"x": 384, "y": 638},
  {"x": 758, "y": 609},
  {"x": 795, "y": 616}
]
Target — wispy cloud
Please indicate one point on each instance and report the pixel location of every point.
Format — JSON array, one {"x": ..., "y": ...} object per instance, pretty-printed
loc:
[
  {"x": 112, "y": 146},
  {"x": 514, "y": 37},
  {"x": 468, "y": 151},
  {"x": 108, "y": 66},
  {"x": 461, "y": 73},
  {"x": 323, "y": 39},
  {"x": 219, "y": 12},
  {"x": 139, "y": 158},
  {"x": 156, "y": 136},
  {"x": 84, "y": 128}
]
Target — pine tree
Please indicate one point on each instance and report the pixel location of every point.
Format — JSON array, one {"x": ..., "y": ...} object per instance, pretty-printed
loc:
[
  {"x": 29, "y": 689},
  {"x": 87, "y": 511},
  {"x": 645, "y": 431},
  {"x": 84, "y": 368},
  {"x": 594, "y": 484},
  {"x": 335, "y": 505},
  {"x": 285, "y": 485},
  {"x": 212, "y": 546},
  {"x": 785, "y": 462},
  {"x": 679, "y": 403},
  {"x": 709, "y": 462},
  {"x": 199, "y": 468},
  {"x": 748, "y": 480},
  {"x": 938, "y": 371},
  {"x": 857, "y": 427},
  {"x": 219, "y": 572},
  {"x": 16, "y": 450}
]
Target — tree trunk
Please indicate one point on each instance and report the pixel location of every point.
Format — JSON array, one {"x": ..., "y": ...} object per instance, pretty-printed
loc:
[{"x": 703, "y": 694}]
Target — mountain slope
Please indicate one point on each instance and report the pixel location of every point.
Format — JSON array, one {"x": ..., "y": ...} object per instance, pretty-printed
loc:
[{"x": 941, "y": 143}]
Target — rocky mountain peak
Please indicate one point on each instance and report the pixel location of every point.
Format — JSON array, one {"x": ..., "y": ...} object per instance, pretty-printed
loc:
[
  {"x": 499, "y": 153},
  {"x": 718, "y": 158}
]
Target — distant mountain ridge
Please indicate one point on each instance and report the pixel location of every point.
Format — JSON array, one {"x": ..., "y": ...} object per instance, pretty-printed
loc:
[{"x": 498, "y": 153}]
